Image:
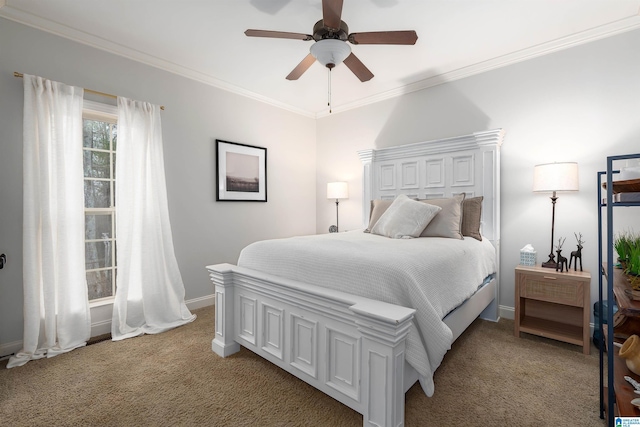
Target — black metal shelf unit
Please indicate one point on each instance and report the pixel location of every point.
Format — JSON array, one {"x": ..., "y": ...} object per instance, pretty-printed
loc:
[{"x": 606, "y": 274}]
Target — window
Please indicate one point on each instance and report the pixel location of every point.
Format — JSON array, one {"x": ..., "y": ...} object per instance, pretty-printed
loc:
[{"x": 99, "y": 153}]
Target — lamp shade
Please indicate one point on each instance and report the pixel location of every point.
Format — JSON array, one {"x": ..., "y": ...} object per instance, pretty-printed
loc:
[
  {"x": 337, "y": 190},
  {"x": 551, "y": 177},
  {"x": 330, "y": 51}
]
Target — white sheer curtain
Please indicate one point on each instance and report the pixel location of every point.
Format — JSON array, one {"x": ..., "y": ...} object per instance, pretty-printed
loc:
[
  {"x": 149, "y": 288},
  {"x": 56, "y": 306}
]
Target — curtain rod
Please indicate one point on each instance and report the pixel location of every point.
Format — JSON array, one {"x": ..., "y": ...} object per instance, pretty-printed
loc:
[{"x": 95, "y": 92}]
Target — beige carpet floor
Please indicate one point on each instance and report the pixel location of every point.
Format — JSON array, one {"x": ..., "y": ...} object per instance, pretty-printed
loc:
[{"x": 489, "y": 378}]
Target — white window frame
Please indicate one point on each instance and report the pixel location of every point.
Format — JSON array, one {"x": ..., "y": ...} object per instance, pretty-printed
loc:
[{"x": 106, "y": 113}]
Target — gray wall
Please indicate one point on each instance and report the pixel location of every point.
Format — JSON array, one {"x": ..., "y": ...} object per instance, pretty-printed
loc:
[
  {"x": 581, "y": 104},
  {"x": 204, "y": 231}
]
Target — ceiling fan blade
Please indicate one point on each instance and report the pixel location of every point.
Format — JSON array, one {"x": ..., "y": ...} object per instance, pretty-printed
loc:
[
  {"x": 358, "y": 68},
  {"x": 331, "y": 13},
  {"x": 301, "y": 67},
  {"x": 384, "y": 37},
  {"x": 278, "y": 34}
]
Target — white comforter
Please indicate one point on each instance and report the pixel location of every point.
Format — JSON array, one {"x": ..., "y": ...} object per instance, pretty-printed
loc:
[{"x": 433, "y": 275}]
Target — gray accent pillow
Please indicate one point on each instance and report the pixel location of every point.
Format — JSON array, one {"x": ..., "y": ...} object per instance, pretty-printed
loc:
[
  {"x": 378, "y": 207},
  {"x": 405, "y": 218},
  {"x": 471, "y": 214},
  {"x": 448, "y": 222}
]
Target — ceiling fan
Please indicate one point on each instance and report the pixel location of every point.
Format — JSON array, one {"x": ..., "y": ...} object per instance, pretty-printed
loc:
[{"x": 330, "y": 47}]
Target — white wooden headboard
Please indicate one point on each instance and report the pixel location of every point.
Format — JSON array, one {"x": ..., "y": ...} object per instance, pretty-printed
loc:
[{"x": 441, "y": 168}]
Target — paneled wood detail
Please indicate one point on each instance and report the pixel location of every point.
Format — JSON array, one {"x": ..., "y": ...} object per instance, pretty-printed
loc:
[
  {"x": 248, "y": 317},
  {"x": 434, "y": 173},
  {"x": 223, "y": 342},
  {"x": 392, "y": 196},
  {"x": 490, "y": 190},
  {"x": 432, "y": 196},
  {"x": 343, "y": 363},
  {"x": 383, "y": 356},
  {"x": 273, "y": 330},
  {"x": 220, "y": 309},
  {"x": 378, "y": 371},
  {"x": 410, "y": 177},
  {"x": 304, "y": 345},
  {"x": 329, "y": 337},
  {"x": 463, "y": 171},
  {"x": 387, "y": 177},
  {"x": 398, "y": 388},
  {"x": 467, "y": 163}
]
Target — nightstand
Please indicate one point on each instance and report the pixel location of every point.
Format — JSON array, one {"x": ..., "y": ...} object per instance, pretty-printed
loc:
[{"x": 554, "y": 305}]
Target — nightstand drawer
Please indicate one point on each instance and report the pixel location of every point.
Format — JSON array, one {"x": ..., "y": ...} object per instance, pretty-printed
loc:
[{"x": 558, "y": 291}]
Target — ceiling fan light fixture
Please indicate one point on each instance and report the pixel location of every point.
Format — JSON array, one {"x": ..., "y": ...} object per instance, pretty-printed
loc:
[{"x": 330, "y": 51}]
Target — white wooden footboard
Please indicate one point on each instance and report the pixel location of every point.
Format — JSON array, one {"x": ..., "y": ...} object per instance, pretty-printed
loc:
[{"x": 348, "y": 347}]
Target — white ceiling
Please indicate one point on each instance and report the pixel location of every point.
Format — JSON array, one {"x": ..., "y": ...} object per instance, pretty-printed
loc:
[{"x": 204, "y": 40}]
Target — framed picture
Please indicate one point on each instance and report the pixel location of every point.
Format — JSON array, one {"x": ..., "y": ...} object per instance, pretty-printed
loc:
[{"x": 241, "y": 172}]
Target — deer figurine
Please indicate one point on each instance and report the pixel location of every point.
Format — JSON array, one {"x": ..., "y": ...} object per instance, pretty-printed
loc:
[
  {"x": 562, "y": 261},
  {"x": 576, "y": 255}
]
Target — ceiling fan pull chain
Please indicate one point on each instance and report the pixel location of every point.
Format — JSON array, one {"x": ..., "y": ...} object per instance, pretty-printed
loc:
[{"x": 329, "y": 85}]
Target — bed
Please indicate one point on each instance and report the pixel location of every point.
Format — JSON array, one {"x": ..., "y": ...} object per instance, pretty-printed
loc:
[{"x": 310, "y": 307}]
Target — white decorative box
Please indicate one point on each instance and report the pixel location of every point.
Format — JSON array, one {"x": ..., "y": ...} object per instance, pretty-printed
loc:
[{"x": 528, "y": 258}]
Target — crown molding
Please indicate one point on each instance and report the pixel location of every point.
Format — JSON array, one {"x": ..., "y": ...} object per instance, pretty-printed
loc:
[
  {"x": 82, "y": 37},
  {"x": 623, "y": 25},
  {"x": 629, "y": 23}
]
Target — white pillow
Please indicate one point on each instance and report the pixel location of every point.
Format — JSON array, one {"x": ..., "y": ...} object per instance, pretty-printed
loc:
[{"x": 405, "y": 218}]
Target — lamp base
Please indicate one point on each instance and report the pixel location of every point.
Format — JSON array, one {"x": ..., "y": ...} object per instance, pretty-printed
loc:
[
  {"x": 551, "y": 263},
  {"x": 334, "y": 229}
]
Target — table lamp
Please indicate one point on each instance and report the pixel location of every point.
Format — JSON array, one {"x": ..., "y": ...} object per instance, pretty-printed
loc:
[
  {"x": 337, "y": 190},
  {"x": 552, "y": 178}
]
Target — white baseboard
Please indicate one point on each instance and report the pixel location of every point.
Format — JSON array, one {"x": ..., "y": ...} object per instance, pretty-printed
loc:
[
  {"x": 104, "y": 326},
  {"x": 9, "y": 348},
  {"x": 507, "y": 312},
  {"x": 100, "y": 328},
  {"x": 204, "y": 301}
]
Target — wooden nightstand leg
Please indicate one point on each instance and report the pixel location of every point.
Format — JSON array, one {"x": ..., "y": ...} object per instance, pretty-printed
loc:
[
  {"x": 516, "y": 323},
  {"x": 516, "y": 319}
]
